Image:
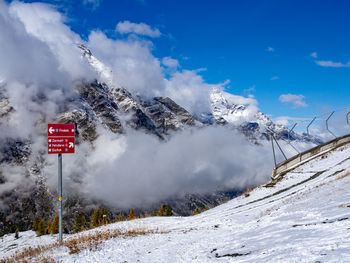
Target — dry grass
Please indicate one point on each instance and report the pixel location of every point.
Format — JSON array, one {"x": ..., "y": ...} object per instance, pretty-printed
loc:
[
  {"x": 247, "y": 192},
  {"x": 43, "y": 259},
  {"x": 343, "y": 176},
  {"x": 28, "y": 253},
  {"x": 74, "y": 244},
  {"x": 92, "y": 241}
]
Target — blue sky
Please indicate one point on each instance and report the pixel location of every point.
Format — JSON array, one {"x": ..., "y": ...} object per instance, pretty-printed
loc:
[{"x": 299, "y": 49}]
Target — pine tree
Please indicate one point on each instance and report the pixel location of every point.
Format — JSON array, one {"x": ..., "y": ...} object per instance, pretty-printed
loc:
[
  {"x": 196, "y": 211},
  {"x": 131, "y": 215},
  {"x": 36, "y": 224},
  {"x": 41, "y": 228},
  {"x": 120, "y": 217},
  {"x": 95, "y": 218},
  {"x": 154, "y": 213},
  {"x": 104, "y": 216},
  {"x": 161, "y": 211},
  {"x": 49, "y": 227},
  {"x": 80, "y": 223},
  {"x": 55, "y": 225},
  {"x": 17, "y": 233},
  {"x": 168, "y": 210},
  {"x": 99, "y": 217}
]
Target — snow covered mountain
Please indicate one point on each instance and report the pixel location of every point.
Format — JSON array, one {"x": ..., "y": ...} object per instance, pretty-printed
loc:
[
  {"x": 113, "y": 103},
  {"x": 243, "y": 114},
  {"x": 302, "y": 217},
  {"x": 226, "y": 108}
]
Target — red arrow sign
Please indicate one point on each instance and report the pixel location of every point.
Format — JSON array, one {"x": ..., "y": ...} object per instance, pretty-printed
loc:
[
  {"x": 61, "y": 130},
  {"x": 60, "y": 138}
]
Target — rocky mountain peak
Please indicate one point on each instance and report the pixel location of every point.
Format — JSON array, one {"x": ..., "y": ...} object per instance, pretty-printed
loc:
[{"x": 229, "y": 109}]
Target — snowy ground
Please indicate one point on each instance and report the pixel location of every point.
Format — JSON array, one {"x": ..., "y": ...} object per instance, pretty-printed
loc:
[{"x": 303, "y": 218}]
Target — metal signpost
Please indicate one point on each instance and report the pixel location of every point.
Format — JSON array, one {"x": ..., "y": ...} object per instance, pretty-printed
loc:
[{"x": 60, "y": 139}]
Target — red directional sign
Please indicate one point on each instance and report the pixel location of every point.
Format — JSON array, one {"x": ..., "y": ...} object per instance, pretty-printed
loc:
[
  {"x": 60, "y": 138},
  {"x": 61, "y": 130}
]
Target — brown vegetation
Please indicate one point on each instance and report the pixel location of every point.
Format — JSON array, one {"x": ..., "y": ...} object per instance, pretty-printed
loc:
[
  {"x": 198, "y": 211},
  {"x": 343, "y": 176},
  {"x": 247, "y": 192},
  {"x": 93, "y": 240},
  {"x": 75, "y": 244}
]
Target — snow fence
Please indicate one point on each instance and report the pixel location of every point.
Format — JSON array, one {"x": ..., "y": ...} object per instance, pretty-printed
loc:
[{"x": 303, "y": 157}]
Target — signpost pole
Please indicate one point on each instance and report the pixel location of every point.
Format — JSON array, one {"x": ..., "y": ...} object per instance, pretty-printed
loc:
[
  {"x": 60, "y": 139},
  {"x": 60, "y": 195}
]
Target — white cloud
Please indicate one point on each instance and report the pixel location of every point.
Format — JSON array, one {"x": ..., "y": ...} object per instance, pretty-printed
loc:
[
  {"x": 191, "y": 161},
  {"x": 313, "y": 54},
  {"x": 38, "y": 67},
  {"x": 133, "y": 64},
  {"x": 282, "y": 120},
  {"x": 332, "y": 64},
  {"x": 240, "y": 100},
  {"x": 135, "y": 68},
  {"x": 250, "y": 89},
  {"x": 46, "y": 24},
  {"x": 170, "y": 62},
  {"x": 143, "y": 29},
  {"x": 275, "y": 78},
  {"x": 190, "y": 90},
  {"x": 93, "y": 3},
  {"x": 270, "y": 49},
  {"x": 296, "y": 100},
  {"x": 287, "y": 120}
]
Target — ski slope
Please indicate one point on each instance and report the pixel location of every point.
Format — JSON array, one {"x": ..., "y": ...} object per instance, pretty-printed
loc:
[{"x": 304, "y": 217}]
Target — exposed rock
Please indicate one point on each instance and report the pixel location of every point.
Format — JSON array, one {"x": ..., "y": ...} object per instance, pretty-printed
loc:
[
  {"x": 85, "y": 125},
  {"x": 15, "y": 151},
  {"x": 5, "y": 107},
  {"x": 97, "y": 98}
]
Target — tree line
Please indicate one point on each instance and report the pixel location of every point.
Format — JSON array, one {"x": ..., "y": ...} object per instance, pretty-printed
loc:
[{"x": 99, "y": 217}]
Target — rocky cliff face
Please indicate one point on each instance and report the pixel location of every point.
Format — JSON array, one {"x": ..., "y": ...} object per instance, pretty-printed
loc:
[{"x": 157, "y": 116}]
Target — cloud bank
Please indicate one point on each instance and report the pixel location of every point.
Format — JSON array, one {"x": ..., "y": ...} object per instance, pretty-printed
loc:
[
  {"x": 138, "y": 170},
  {"x": 38, "y": 65}
]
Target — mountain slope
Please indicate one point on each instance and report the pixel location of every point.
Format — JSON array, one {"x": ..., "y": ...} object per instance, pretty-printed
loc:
[{"x": 302, "y": 218}]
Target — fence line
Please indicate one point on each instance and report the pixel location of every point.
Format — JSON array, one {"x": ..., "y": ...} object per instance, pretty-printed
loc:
[{"x": 291, "y": 163}]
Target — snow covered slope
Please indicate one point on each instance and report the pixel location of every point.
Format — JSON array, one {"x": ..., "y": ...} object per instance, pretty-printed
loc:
[{"x": 304, "y": 217}]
